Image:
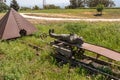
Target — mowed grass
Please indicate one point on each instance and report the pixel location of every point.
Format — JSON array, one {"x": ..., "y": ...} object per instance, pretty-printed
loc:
[
  {"x": 80, "y": 13},
  {"x": 19, "y": 61}
]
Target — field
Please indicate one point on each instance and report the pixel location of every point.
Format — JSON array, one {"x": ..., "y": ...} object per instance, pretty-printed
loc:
[
  {"x": 19, "y": 61},
  {"x": 76, "y": 13}
]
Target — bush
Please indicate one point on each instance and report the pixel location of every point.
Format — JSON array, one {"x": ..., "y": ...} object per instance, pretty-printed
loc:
[
  {"x": 100, "y": 8},
  {"x": 36, "y": 7},
  {"x": 51, "y": 7},
  {"x": 3, "y": 7}
]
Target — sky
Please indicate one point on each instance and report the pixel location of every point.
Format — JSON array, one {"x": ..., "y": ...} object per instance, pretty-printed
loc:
[
  {"x": 117, "y": 2},
  {"x": 61, "y": 3}
]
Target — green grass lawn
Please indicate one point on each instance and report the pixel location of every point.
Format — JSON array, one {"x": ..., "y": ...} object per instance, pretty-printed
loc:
[
  {"x": 18, "y": 61},
  {"x": 80, "y": 13}
]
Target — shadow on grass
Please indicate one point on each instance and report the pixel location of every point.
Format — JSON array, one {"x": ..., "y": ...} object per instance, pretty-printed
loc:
[{"x": 97, "y": 14}]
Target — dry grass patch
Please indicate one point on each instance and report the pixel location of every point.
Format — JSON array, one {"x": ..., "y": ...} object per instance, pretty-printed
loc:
[
  {"x": 54, "y": 15},
  {"x": 2, "y": 56},
  {"x": 45, "y": 22},
  {"x": 1, "y": 15}
]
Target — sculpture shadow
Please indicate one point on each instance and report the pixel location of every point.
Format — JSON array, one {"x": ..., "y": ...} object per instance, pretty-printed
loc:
[{"x": 97, "y": 14}]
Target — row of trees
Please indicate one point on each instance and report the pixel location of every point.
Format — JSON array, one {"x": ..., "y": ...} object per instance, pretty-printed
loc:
[
  {"x": 73, "y": 4},
  {"x": 15, "y": 5},
  {"x": 90, "y": 3}
]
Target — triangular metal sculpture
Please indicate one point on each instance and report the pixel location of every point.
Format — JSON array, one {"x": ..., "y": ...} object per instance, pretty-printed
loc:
[{"x": 13, "y": 25}]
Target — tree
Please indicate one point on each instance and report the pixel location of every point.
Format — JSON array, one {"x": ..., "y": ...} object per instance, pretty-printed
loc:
[
  {"x": 80, "y": 3},
  {"x": 106, "y": 3},
  {"x": 73, "y": 4},
  {"x": 36, "y": 7},
  {"x": 51, "y": 6},
  {"x": 3, "y": 7},
  {"x": 100, "y": 8},
  {"x": 76, "y": 3},
  {"x": 14, "y": 5}
]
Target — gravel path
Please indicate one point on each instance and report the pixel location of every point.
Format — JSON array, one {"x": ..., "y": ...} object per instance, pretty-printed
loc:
[{"x": 68, "y": 19}]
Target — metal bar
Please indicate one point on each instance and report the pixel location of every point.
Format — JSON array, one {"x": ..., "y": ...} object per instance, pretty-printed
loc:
[
  {"x": 86, "y": 66},
  {"x": 95, "y": 70}
]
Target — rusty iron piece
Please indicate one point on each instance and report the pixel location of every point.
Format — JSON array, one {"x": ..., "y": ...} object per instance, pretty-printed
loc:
[
  {"x": 102, "y": 51},
  {"x": 63, "y": 56},
  {"x": 85, "y": 64},
  {"x": 74, "y": 40},
  {"x": 12, "y": 24},
  {"x": 70, "y": 38},
  {"x": 67, "y": 51},
  {"x": 43, "y": 36}
]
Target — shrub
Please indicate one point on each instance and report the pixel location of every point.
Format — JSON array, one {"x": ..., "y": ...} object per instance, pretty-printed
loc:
[
  {"x": 3, "y": 7},
  {"x": 51, "y": 6},
  {"x": 36, "y": 7},
  {"x": 100, "y": 8}
]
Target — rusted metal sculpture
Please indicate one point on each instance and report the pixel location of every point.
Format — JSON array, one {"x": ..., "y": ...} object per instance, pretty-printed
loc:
[
  {"x": 70, "y": 49},
  {"x": 70, "y": 38},
  {"x": 13, "y": 25}
]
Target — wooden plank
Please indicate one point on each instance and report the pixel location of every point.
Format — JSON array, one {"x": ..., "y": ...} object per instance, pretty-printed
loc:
[{"x": 102, "y": 51}]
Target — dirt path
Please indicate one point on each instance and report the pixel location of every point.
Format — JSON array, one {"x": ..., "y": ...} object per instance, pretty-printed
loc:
[{"x": 68, "y": 19}]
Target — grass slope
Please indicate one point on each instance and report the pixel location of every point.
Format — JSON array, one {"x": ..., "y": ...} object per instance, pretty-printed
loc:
[{"x": 18, "y": 61}]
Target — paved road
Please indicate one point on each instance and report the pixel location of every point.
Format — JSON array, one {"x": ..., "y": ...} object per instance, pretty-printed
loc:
[{"x": 68, "y": 19}]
